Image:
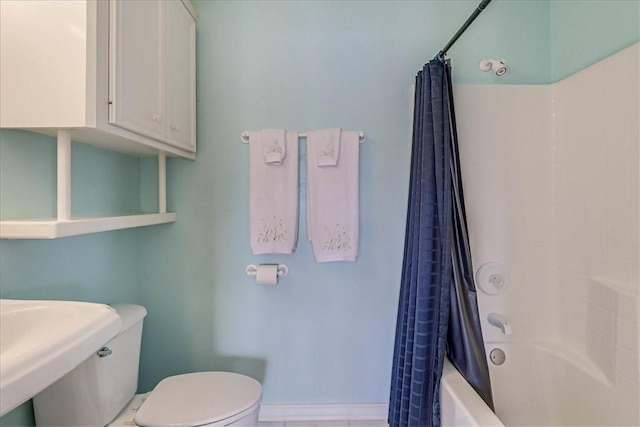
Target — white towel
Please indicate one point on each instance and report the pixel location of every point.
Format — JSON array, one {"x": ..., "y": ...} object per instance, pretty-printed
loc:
[
  {"x": 332, "y": 200},
  {"x": 327, "y": 145},
  {"x": 273, "y": 197},
  {"x": 274, "y": 148}
]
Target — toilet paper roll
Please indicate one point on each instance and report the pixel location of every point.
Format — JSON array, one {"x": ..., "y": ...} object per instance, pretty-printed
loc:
[{"x": 267, "y": 274}]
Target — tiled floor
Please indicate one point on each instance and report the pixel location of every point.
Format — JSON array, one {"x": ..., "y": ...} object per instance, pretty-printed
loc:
[{"x": 351, "y": 423}]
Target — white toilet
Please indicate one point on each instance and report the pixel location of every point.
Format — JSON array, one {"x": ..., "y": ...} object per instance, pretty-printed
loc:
[{"x": 101, "y": 391}]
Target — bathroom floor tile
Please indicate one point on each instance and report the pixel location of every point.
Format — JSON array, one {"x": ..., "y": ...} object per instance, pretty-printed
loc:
[
  {"x": 368, "y": 423},
  {"x": 332, "y": 423},
  {"x": 317, "y": 424}
]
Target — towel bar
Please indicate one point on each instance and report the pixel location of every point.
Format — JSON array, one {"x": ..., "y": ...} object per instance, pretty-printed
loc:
[{"x": 245, "y": 136}]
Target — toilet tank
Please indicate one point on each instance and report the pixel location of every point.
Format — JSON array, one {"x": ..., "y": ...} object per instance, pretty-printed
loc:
[{"x": 97, "y": 390}]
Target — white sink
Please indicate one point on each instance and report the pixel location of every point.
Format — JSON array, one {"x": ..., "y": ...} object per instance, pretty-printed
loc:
[{"x": 41, "y": 341}]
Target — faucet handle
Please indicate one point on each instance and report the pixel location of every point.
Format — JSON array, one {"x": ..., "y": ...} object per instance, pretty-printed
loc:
[{"x": 497, "y": 280}]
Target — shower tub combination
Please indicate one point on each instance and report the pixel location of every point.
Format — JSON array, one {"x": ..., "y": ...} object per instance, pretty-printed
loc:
[{"x": 538, "y": 385}]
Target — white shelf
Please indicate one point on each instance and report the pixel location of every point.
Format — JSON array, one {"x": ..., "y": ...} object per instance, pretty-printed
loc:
[
  {"x": 65, "y": 226},
  {"x": 53, "y": 229}
]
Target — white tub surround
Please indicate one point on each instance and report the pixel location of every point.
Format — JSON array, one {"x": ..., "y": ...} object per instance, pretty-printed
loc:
[
  {"x": 551, "y": 384},
  {"x": 551, "y": 174}
]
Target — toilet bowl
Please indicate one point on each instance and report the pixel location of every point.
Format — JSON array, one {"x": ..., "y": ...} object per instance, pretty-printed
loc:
[
  {"x": 203, "y": 399},
  {"x": 101, "y": 391}
]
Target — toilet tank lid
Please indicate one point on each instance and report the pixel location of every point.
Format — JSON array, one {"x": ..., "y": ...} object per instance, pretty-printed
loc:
[
  {"x": 198, "y": 399},
  {"x": 130, "y": 314}
]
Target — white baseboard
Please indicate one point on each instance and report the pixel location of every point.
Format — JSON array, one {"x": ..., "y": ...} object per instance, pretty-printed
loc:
[{"x": 370, "y": 411}]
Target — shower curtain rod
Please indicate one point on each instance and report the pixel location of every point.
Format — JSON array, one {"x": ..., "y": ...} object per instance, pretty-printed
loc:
[{"x": 466, "y": 25}]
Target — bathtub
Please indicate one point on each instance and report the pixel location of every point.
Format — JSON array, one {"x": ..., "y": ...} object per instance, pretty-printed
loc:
[
  {"x": 460, "y": 405},
  {"x": 540, "y": 384}
]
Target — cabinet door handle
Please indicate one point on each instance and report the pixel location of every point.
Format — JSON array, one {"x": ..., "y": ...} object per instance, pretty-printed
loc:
[
  {"x": 174, "y": 127},
  {"x": 155, "y": 118}
]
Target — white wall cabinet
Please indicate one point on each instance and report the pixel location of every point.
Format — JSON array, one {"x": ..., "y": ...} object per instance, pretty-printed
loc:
[
  {"x": 117, "y": 74},
  {"x": 136, "y": 67},
  {"x": 180, "y": 76},
  {"x": 152, "y": 70}
]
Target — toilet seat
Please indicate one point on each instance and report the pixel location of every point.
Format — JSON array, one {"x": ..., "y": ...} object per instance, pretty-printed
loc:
[{"x": 199, "y": 399}]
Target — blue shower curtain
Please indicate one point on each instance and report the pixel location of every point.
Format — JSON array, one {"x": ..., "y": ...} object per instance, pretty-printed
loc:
[{"x": 436, "y": 266}]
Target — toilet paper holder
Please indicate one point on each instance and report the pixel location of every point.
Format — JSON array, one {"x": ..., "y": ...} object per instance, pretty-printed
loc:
[{"x": 252, "y": 270}]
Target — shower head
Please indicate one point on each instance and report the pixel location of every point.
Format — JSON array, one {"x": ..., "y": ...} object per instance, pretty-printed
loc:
[{"x": 497, "y": 65}]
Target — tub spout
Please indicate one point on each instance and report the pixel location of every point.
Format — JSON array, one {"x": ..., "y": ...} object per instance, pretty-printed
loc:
[{"x": 499, "y": 321}]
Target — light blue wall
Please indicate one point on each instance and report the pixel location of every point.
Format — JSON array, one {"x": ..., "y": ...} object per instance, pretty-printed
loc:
[
  {"x": 325, "y": 333},
  {"x": 584, "y": 32},
  {"x": 102, "y": 267},
  {"x": 103, "y": 182}
]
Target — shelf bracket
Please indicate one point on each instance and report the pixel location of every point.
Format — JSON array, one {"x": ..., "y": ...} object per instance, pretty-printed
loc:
[
  {"x": 162, "y": 183},
  {"x": 64, "y": 175}
]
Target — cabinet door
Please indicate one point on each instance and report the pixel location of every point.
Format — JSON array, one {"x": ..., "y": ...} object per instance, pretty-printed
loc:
[
  {"x": 180, "y": 85},
  {"x": 136, "y": 67}
]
